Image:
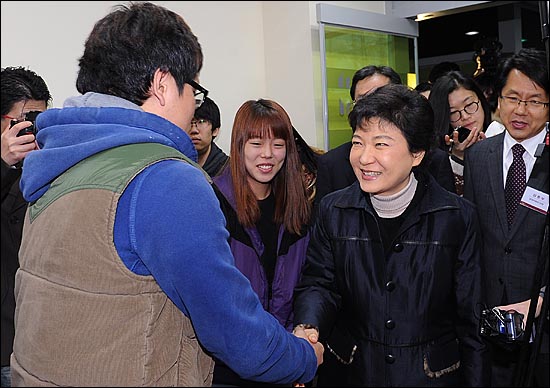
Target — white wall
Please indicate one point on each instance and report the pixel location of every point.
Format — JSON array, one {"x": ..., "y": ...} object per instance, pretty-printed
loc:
[
  {"x": 48, "y": 37},
  {"x": 251, "y": 49}
]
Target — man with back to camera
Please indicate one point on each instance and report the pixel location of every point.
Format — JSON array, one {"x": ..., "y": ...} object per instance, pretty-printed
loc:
[
  {"x": 128, "y": 266},
  {"x": 204, "y": 129},
  {"x": 22, "y": 91},
  {"x": 513, "y": 232},
  {"x": 334, "y": 170}
]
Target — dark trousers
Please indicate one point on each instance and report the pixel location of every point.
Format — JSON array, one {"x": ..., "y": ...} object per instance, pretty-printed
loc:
[{"x": 504, "y": 367}]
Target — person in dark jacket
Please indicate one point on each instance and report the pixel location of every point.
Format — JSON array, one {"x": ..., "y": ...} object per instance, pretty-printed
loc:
[
  {"x": 204, "y": 128},
  {"x": 398, "y": 256},
  {"x": 23, "y": 91},
  {"x": 264, "y": 199}
]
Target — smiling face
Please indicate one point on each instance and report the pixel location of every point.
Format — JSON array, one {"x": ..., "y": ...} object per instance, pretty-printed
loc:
[
  {"x": 458, "y": 100},
  {"x": 520, "y": 121},
  {"x": 264, "y": 158},
  {"x": 380, "y": 157}
]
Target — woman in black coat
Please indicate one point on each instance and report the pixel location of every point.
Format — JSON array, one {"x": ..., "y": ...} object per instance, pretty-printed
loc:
[{"x": 398, "y": 257}]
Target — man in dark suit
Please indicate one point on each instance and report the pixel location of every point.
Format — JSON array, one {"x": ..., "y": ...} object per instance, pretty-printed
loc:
[
  {"x": 513, "y": 238},
  {"x": 22, "y": 91},
  {"x": 334, "y": 171}
]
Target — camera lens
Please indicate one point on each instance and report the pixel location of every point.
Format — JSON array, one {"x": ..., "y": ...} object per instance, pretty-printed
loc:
[{"x": 27, "y": 131}]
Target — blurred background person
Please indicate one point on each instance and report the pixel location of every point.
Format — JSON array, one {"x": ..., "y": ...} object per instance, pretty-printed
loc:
[
  {"x": 487, "y": 54},
  {"x": 424, "y": 88},
  {"x": 22, "y": 91},
  {"x": 440, "y": 69},
  {"x": 263, "y": 196},
  {"x": 309, "y": 156},
  {"x": 204, "y": 129}
]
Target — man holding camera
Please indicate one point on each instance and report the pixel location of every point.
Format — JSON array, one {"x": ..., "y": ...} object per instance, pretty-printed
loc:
[{"x": 23, "y": 91}]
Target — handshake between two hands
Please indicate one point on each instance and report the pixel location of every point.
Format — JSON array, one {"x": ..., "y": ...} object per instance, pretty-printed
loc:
[{"x": 311, "y": 334}]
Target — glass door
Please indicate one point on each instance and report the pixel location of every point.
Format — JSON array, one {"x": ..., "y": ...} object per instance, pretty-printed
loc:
[{"x": 347, "y": 48}]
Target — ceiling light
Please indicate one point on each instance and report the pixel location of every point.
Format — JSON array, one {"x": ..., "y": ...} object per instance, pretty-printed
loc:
[
  {"x": 423, "y": 16},
  {"x": 471, "y": 33}
]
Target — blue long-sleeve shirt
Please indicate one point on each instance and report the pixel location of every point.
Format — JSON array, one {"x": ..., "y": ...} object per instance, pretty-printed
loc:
[{"x": 169, "y": 225}]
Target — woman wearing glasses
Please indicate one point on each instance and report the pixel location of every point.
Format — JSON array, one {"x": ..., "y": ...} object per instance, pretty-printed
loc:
[
  {"x": 461, "y": 116},
  {"x": 264, "y": 200}
]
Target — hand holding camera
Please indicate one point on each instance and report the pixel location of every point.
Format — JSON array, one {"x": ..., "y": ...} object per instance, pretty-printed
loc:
[
  {"x": 29, "y": 116},
  {"x": 16, "y": 143},
  {"x": 504, "y": 325}
]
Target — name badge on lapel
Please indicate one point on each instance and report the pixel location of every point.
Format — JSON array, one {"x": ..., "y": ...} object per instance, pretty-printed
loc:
[{"x": 535, "y": 200}]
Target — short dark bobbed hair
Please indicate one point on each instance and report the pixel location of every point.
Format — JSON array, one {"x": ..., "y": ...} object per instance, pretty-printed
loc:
[{"x": 402, "y": 107}]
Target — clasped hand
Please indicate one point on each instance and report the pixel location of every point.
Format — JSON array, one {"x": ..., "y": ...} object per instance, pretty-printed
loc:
[{"x": 312, "y": 336}]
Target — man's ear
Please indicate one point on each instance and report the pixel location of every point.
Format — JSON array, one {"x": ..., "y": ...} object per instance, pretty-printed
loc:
[
  {"x": 159, "y": 86},
  {"x": 418, "y": 157},
  {"x": 215, "y": 132}
]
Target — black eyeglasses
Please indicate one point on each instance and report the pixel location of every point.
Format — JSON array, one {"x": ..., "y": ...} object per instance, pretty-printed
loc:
[
  {"x": 471, "y": 108},
  {"x": 200, "y": 93},
  {"x": 531, "y": 104}
]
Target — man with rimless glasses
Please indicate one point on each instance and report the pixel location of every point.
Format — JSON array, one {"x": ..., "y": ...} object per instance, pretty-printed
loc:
[
  {"x": 507, "y": 177},
  {"x": 204, "y": 128}
]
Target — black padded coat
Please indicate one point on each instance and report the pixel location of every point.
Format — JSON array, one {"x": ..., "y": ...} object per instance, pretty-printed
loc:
[{"x": 412, "y": 314}]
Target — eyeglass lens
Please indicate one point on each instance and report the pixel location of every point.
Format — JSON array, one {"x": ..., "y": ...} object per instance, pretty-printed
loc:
[
  {"x": 199, "y": 98},
  {"x": 471, "y": 108},
  {"x": 528, "y": 104},
  {"x": 199, "y": 123},
  {"x": 200, "y": 93}
]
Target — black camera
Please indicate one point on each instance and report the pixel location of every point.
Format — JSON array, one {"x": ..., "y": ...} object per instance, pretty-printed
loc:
[
  {"x": 506, "y": 326},
  {"x": 29, "y": 116},
  {"x": 463, "y": 133}
]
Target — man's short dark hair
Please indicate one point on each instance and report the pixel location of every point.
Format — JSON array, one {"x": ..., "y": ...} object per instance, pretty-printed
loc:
[
  {"x": 209, "y": 111},
  {"x": 423, "y": 87},
  {"x": 127, "y": 46},
  {"x": 19, "y": 84},
  {"x": 529, "y": 61},
  {"x": 370, "y": 70},
  {"x": 402, "y": 107}
]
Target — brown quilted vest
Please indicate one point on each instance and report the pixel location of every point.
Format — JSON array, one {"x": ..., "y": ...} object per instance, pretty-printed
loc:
[{"x": 82, "y": 318}]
